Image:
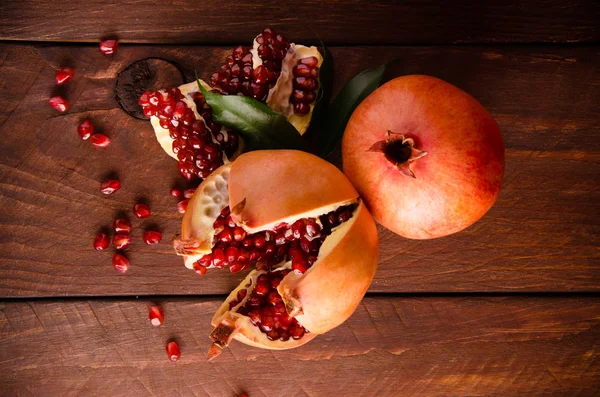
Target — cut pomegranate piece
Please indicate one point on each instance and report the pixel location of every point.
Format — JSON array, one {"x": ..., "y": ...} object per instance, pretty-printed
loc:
[
  {"x": 108, "y": 47},
  {"x": 85, "y": 129},
  {"x": 182, "y": 206},
  {"x": 121, "y": 226},
  {"x": 64, "y": 74},
  {"x": 59, "y": 103},
  {"x": 121, "y": 241},
  {"x": 152, "y": 237},
  {"x": 173, "y": 351},
  {"x": 101, "y": 241},
  {"x": 141, "y": 210},
  {"x": 110, "y": 186},
  {"x": 100, "y": 140},
  {"x": 156, "y": 316},
  {"x": 120, "y": 263},
  {"x": 176, "y": 193}
]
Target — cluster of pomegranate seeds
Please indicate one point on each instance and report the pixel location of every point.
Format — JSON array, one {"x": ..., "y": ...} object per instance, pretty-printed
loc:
[
  {"x": 173, "y": 351},
  {"x": 101, "y": 241},
  {"x": 198, "y": 155},
  {"x": 299, "y": 242},
  {"x": 305, "y": 84},
  {"x": 266, "y": 309},
  {"x": 237, "y": 75},
  {"x": 141, "y": 210},
  {"x": 110, "y": 186},
  {"x": 108, "y": 47},
  {"x": 156, "y": 316},
  {"x": 59, "y": 103},
  {"x": 64, "y": 74}
]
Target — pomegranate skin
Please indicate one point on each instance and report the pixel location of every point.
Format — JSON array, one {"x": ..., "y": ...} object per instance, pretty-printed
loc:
[{"x": 454, "y": 184}]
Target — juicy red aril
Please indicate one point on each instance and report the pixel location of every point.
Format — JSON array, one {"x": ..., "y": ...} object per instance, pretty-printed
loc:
[
  {"x": 188, "y": 193},
  {"x": 182, "y": 206},
  {"x": 120, "y": 263},
  {"x": 100, "y": 140},
  {"x": 152, "y": 237},
  {"x": 59, "y": 103},
  {"x": 110, "y": 186},
  {"x": 121, "y": 241},
  {"x": 200, "y": 269},
  {"x": 176, "y": 193},
  {"x": 173, "y": 351},
  {"x": 301, "y": 108},
  {"x": 64, "y": 74},
  {"x": 121, "y": 226},
  {"x": 101, "y": 241},
  {"x": 108, "y": 47},
  {"x": 156, "y": 316},
  {"x": 85, "y": 129},
  {"x": 141, "y": 210}
]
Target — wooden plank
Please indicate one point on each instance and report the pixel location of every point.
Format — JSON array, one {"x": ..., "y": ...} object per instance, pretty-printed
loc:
[
  {"x": 433, "y": 346},
  {"x": 542, "y": 235},
  {"x": 336, "y": 22}
]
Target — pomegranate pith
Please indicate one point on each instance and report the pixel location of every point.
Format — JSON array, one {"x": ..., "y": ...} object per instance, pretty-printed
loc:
[
  {"x": 120, "y": 263},
  {"x": 100, "y": 140},
  {"x": 110, "y": 186},
  {"x": 64, "y": 74},
  {"x": 59, "y": 103},
  {"x": 156, "y": 316},
  {"x": 141, "y": 210},
  {"x": 152, "y": 237},
  {"x": 101, "y": 241},
  {"x": 85, "y": 129},
  {"x": 108, "y": 47},
  {"x": 173, "y": 351}
]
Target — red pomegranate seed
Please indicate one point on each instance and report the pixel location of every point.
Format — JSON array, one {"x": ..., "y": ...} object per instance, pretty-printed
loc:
[
  {"x": 59, "y": 103},
  {"x": 200, "y": 269},
  {"x": 152, "y": 237},
  {"x": 64, "y": 74},
  {"x": 156, "y": 316},
  {"x": 121, "y": 241},
  {"x": 110, "y": 186},
  {"x": 188, "y": 193},
  {"x": 85, "y": 129},
  {"x": 141, "y": 210},
  {"x": 121, "y": 226},
  {"x": 101, "y": 241},
  {"x": 173, "y": 351},
  {"x": 108, "y": 47},
  {"x": 182, "y": 206},
  {"x": 120, "y": 263},
  {"x": 100, "y": 140},
  {"x": 176, "y": 193},
  {"x": 239, "y": 233}
]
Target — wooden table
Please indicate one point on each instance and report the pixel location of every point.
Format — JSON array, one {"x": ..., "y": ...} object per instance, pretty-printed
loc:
[{"x": 508, "y": 307}]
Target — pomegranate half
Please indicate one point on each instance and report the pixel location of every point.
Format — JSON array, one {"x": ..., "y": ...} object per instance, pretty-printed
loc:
[
  {"x": 300, "y": 222},
  {"x": 427, "y": 157}
]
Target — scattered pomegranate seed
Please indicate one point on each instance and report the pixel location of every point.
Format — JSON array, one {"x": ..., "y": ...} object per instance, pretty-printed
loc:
[
  {"x": 176, "y": 193},
  {"x": 108, "y": 47},
  {"x": 188, "y": 193},
  {"x": 59, "y": 103},
  {"x": 173, "y": 351},
  {"x": 121, "y": 241},
  {"x": 120, "y": 263},
  {"x": 64, "y": 74},
  {"x": 100, "y": 140},
  {"x": 85, "y": 129},
  {"x": 152, "y": 237},
  {"x": 182, "y": 206},
  {"x": 121, "y": 225},
  {"x": 156, "y": 316},
  {"x": 101, "y": 241},
  {"x": 141, "y": 210},
  {"x": 110, "y": 186}
]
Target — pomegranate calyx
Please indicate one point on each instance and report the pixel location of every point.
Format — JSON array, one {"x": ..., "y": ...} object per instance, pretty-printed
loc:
[{"x": 400, "y": 151}]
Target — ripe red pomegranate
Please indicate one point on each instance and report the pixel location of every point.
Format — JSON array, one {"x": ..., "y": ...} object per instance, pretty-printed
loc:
[
  {"x": 300, "y": 222},
  {"x": 427, "y": 158},
  {"x": 282, "y": 74}
]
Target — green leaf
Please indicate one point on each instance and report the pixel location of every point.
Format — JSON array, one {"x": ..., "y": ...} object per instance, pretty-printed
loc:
[
  {"x": 340, "y": 110},
  {"x": 260, "y": 126}
]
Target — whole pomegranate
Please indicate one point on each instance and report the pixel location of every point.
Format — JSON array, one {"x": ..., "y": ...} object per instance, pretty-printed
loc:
[
  {"x": 282, "y": 74},
  {"x": 299, "y": 221},
  {"x": 427, "y": 157}
]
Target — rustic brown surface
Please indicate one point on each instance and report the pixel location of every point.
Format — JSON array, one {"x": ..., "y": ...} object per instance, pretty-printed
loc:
[
  {"x": 336, "y": 21},
  {"x": 542, "y": 234},
  {"x": 436, "y": 346}
]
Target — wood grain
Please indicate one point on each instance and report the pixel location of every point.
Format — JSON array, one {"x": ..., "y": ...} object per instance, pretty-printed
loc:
[
  {"x": 542, "y": 234},
  {"x": 335, "y": 21},
  {"x": 456, "y": 346}
]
